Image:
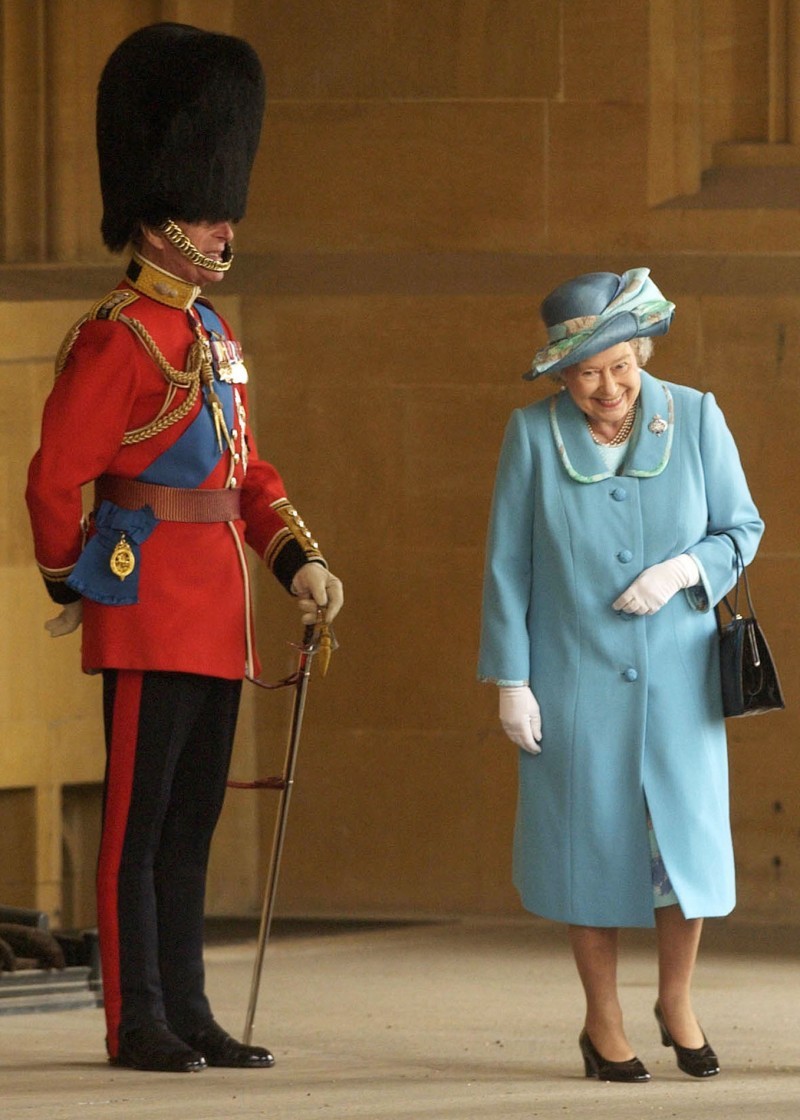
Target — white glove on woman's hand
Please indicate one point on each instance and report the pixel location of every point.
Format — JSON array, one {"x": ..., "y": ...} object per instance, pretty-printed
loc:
[
  {"x": 655, "y": 586},
  {"x": 316, "y": 587},
  {"x": 64, "y": 623},
  {"x": 520, "y": 717}
]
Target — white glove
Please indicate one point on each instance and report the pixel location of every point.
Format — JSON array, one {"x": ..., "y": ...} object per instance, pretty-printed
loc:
[
  {"x": 69, "y": 620},
  {"x": 520, "y": 717},
  {"x": 316, "y": 587},
  {"x": 655, "y": 586}
]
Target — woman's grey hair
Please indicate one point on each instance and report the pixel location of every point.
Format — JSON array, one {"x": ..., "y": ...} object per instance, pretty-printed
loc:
[{"x": 642, "y": 349}]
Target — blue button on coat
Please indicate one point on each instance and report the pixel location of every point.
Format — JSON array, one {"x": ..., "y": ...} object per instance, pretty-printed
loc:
[{"x": 611, "y": 748}]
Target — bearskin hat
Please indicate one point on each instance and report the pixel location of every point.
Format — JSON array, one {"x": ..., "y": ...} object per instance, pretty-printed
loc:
[{"x": 179, "y": 115}]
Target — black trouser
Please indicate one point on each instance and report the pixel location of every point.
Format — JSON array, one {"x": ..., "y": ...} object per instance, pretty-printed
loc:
[{"x": 169, "y": 738}]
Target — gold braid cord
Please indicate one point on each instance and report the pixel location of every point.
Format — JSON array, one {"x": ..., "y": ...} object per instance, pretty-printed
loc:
[
  {"x": 184, "y": 379},
  {"x": 111, "y": 307},
  {"x": 175, "y": 235},
  {"x": 68, "y": 343}
]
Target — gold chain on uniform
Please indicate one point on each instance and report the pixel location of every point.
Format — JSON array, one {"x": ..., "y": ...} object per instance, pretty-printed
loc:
[
  {"x": 185, "y": 379},
  {"x": 199, "y": 370},
  {"x": 178, "y": 238}
]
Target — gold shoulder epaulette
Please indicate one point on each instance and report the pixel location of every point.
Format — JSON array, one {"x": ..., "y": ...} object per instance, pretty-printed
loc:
[
  {"x": 112, "y": 305},
  {"x": 109, "y": 307}
]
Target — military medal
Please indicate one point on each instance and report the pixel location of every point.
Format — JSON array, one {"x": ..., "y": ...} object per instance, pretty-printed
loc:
[
  {"x": 122, "y": 560},
  {"x": 228, "y": 355}
]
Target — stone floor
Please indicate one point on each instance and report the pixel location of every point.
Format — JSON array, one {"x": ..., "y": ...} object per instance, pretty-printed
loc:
[{"x": 435, "y": 1021}]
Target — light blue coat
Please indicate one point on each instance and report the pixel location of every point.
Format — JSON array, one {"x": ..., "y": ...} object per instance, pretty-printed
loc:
[{"x": 630, "y": 704}]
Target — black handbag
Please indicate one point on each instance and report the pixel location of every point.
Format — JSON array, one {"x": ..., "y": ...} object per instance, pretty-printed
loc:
[{"x": 750, "y": 683}]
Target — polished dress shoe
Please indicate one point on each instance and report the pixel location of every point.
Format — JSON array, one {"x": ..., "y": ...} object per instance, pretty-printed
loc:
[
  {"x": 604, "y": 1070},
  {"x": 220, "y": 1049},
  {"x": 700, "y": 1062},
  {"x": 155, "y": 1047}
]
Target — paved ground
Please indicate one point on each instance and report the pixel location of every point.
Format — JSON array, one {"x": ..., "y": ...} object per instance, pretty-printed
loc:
[{"x": 445, "y": 1021}]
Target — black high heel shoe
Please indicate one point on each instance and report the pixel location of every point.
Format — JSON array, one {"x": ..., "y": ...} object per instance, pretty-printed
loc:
[
  {"x": 701, "y": 1062},
  {"x": 601, "y": 1068}
]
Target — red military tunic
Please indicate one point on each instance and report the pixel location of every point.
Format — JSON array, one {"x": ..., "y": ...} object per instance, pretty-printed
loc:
[{"x": 102, "y": 419}]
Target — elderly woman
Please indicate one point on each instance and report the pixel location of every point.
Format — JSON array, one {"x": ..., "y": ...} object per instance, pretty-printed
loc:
[{"x": 606, "y": 554}]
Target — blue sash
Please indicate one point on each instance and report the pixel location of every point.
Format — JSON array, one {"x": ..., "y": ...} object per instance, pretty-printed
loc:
[{"x": 190, "y": 460}]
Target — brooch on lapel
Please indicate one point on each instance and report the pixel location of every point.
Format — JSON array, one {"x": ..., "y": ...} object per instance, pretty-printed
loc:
[{"x": 657, "y": 425}]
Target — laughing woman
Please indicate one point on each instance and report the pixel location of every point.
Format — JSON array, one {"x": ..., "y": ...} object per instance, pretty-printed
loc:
[{"x": 604, "y": 560}]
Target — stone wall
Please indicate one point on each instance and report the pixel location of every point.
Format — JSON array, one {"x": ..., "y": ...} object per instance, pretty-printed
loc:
[{"x": 429, "y": 170}]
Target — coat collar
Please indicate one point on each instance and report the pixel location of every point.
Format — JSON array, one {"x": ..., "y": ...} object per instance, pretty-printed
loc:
[
  {"x": 159, "y": 284},
  {"x": 650, "y": 442}
]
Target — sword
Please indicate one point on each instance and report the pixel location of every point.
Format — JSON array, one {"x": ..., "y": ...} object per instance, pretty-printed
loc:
[{"x": 317, "y": 640}]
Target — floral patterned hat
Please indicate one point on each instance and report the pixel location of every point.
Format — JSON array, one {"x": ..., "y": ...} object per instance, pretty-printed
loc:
[{"x": 595, "y": 311}]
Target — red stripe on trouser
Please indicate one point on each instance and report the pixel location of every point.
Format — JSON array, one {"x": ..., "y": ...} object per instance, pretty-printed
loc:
[{"x": 119, "y": 783}]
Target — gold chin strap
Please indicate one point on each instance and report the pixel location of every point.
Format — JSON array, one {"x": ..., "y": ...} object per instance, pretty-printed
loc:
[{"x": 175, "y": 235}]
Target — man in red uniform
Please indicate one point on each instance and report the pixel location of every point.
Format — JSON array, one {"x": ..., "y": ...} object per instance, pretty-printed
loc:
[{"x": 150, "y": 404}]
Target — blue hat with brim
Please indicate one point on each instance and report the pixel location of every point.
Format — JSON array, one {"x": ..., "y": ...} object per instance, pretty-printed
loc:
[{"x": 595, "y": 311}]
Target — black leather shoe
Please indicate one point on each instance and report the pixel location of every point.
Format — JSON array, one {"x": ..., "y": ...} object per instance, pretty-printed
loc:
[
  {"x": 156, "y": 1048},
  {"x": 219, "y": 1049},
  {"x": 604, "y": 1070},
  {"x": 701, "y": 1062}
]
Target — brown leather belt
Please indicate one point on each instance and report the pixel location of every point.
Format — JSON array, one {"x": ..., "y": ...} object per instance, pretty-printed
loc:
[{"x": 169, "y": 503}]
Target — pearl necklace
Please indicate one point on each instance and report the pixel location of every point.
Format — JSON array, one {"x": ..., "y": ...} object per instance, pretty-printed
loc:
[{"x": 622, "y": 434}]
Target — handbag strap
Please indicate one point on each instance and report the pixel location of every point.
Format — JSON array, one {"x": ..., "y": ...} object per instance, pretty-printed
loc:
[{"x": 741, "y": 575}]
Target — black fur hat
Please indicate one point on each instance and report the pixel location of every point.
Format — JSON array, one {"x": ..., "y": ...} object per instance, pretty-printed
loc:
[{"x": 179, "y": 115}]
